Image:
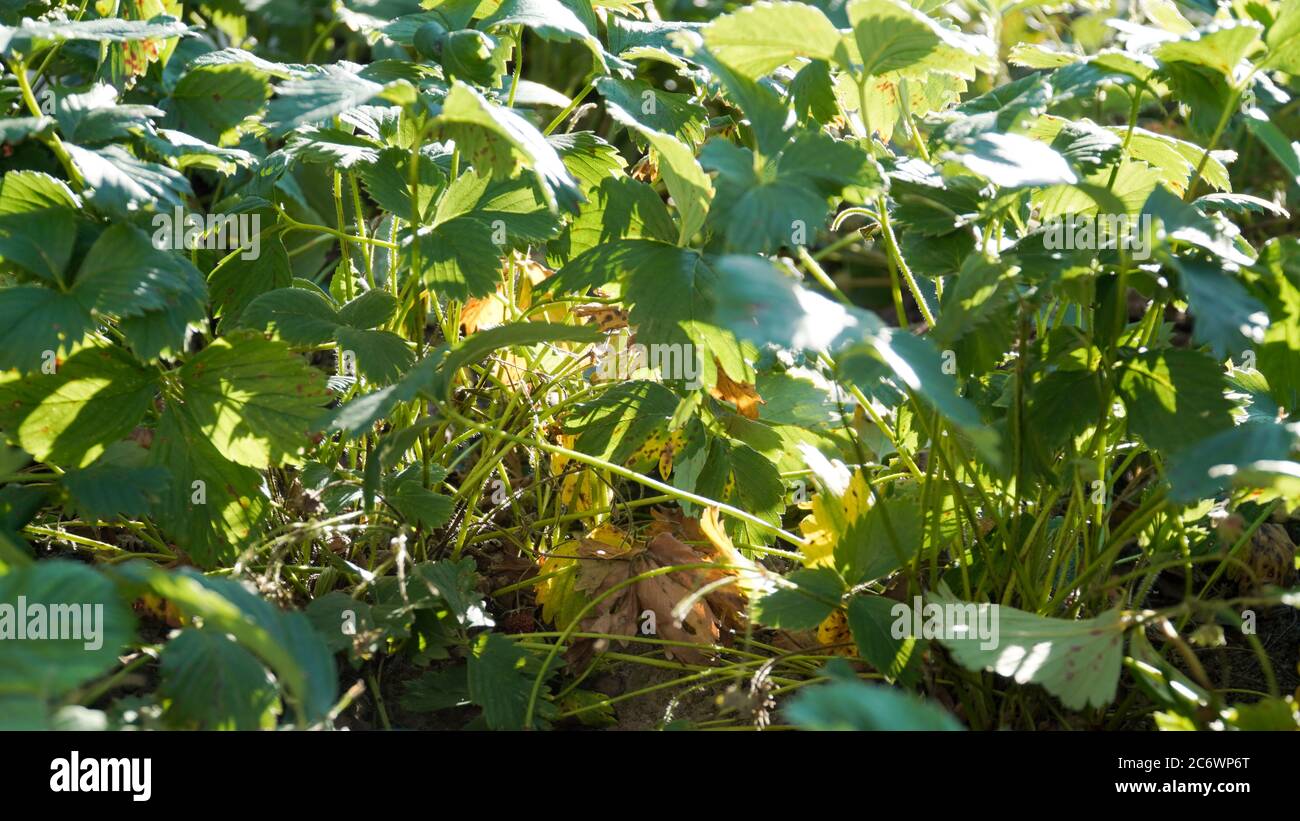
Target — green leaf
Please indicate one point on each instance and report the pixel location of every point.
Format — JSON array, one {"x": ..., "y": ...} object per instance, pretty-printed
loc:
[
  {"x": 621, "y": 208},
  {"x": 655, "y": 109},
  {"x": 332, "y": 147},
  {"x": 670, "y": 293},
  {"x": 212, "y": 101},
  {"x": 686, "y": 181},
  {"x": 458, "y": 258},
  {"x": 498, "y": 141},
  {"x": 359, "y": 415},
  {"x": 1081, "y": 142},
  {"x": 1227, "y": 317},
  {"x": 388, "y": 180},
  {"x": 500, "y": 681},
  {"x": 94, "y": 398},
  {"x": 213, "y": 683},
  {"x": 318, "y": 99},
  {"x": 871, "y": 619},
  {"x": 1286, "y": 152},
  {"x": 812, "y": 94},
  {"x": 1279, "y": 354},
  {"x": 36, "y": 323},
  {"x": 757, "y": 39},
  {"x": 1240, "y": 204},
  {"x": 163, "y": 331},
  {"x": 764, "y": 204},
  {"x": 121, "y": 184},
  {"x": 1219, "y": 49},
  {"x": 381, "y": 356},
  {"x": 190, "y": 152},
  {"x": 617, "y": 423},
  {"x": 1176, "y": 159},
  {"x": 1078, "y": 661},
  {"x": 1174, "y": 397},
  {"x": 550, "y": 19},
  {"x": 104, "y": 30},
  {"x": 1208, "y": 467},
  {"x": 238, "y": 56},
  {"x": 1283, "y": 38},
  {"x": 801, "y": 601},
  {"x": 37, "y": 223},
  {"x": 890, "y": 35},
  {"x": 515, "y": 208},
  {"x": 253, "y": 399},
  {"x": 760, "y": 304},
  {"x": 917, "y": 365},
  {"x": 296, "y": 315},
  {"x": 648, "y": 40},
  {"x": 16, "y": 129},
  {"x": 238, "y": 281},
  {"x": 421, "y": 506},
  {"x": 436, "y": 690},
  {"x": 94, "y": 627},
  {"x": 1203, "y": 93},
  {"x": 1184, "y": 224},
  {"x": 1013, "y": 161},
  {"x": 119, "y": 484},
  {"x": 589, "y": 158},
  {"x": 96, "y": 116},
  {"x": 283, "y": 640},
  {"x": 1062, "y": 405},
  {"x": 455, "y": 583},
  {"x": 848, "y": 704},
  {"x": 1134, "y": 183},
  {"x": 213, "y": 506},
  {"x": 979, "y": 308},
  {"x": 735, "y": 474},
  {"x": 341, "y": 621},
  {"x": 882, "y": 540},
  {"x": 124, "y": 274}
]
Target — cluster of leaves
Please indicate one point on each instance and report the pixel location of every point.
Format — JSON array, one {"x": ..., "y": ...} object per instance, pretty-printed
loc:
[{"x": 308, "y": 316}]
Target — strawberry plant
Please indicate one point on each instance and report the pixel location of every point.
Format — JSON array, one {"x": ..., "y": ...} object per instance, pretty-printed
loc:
[{"x": 557, "y": 363}]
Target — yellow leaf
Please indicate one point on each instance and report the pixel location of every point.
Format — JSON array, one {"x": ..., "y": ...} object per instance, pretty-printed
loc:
[{"x": 832, "y": 517}]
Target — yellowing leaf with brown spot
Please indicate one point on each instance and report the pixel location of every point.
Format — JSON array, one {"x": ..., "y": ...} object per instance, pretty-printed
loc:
[{"x": 834, "y": 633}]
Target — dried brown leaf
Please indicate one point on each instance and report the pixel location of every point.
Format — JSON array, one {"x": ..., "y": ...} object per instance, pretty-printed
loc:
[{"x": 741, "y": 394}]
